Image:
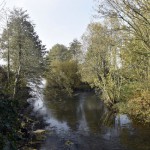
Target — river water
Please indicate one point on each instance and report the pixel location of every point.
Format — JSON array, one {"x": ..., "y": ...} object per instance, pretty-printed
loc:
[{"x": 82, "y": 122}]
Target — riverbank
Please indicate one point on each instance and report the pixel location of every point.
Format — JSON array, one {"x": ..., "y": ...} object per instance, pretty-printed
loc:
[
  {"x": 18, "y": 123},
  {"x": 78, "y": 122},
  {"x": 33, "y": 125}
]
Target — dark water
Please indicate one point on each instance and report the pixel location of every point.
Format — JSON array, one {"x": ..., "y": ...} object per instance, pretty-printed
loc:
[{"x": 84, "y": 123}]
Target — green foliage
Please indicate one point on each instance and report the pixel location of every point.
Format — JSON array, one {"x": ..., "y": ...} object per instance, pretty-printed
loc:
[
  {"x": 15, "y": 120},
  {"x": 100, "y": 68},
  {"x": 63, "y": 75},
  {"x": 59, "y": 52},
  {"x": 62, "y": 69},
  {"x": 23, "y": 51},
  {"x": 9, "y": 124},
  {"x": 132, "y": 27},
  {"x": 135, "y": 100},
  {"x": 3, "y": 78},
  {"x": 10, "y": 121},
  {"x": 21, "y": 42},
  {"x": 75, "y": 50},
  {"x": 139, "y": 106}
]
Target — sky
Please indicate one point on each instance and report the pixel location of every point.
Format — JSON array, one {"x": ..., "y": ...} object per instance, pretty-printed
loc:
[{"x": 57, "y": 21}]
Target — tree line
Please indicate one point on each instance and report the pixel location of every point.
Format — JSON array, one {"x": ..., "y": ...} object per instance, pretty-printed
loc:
[{"x": 113, "y": 57}]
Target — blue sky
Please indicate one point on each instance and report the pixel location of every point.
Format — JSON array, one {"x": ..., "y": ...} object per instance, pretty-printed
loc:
[{"x": 57, "y": 21}]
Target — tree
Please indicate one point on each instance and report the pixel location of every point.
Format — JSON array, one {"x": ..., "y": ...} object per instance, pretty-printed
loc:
[
  {"x": 135, "y": 18},
  {"x": 100, "y": 68},
  {"x": 63, "y": 76},
  {"x": 75, "y": 50},
  {"x": 25, "y": 48},
  {"x": 62, "y": 70},
  {"x": 59, "y": 52},
  {"x": 134, "y": 51}
]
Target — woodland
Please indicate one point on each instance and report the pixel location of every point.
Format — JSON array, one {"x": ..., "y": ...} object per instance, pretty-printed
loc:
[{"x": 112, "y": 58}]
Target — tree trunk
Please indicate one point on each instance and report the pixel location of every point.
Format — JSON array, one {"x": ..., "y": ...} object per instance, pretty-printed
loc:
[
  {"x": 8, "y": 56},
  {"x": 16, "y": 81},
  {"x": 19, "y": 68}
]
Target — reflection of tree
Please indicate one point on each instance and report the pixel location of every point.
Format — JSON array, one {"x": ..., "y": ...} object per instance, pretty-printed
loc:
[
  {"x": 55, "y": 94},
  {"x": 64, "y": 107},
  {"x": 97, "y": 115},
  {"x": 108, "y": 119},
  {"x": 84, "y": 110},
  {"x": 93, "y": 111},
  {"x": 137, "y": 139}
]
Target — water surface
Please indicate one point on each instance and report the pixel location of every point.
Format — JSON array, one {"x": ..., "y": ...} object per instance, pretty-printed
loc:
[{"x": 82, "y": 122}]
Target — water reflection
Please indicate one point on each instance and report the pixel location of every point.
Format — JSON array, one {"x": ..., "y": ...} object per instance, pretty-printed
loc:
[
  {"x": 84, "y": 121},
  {"x": 83, "y": 112}
]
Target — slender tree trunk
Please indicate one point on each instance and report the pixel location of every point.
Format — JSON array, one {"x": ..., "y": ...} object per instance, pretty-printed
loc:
[
  {"x": 19, "y": 69},
  {"x": 8, "y": 56},
  {"x": 16, "y": 81}
]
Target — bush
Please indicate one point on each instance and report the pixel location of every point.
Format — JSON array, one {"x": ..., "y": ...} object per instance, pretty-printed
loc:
[{"x": 63, "y": 75}]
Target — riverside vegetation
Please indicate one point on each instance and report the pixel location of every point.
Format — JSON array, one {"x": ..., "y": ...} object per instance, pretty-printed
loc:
[
  {"x": 113, "y": 58},
  {"x": 23, "y": 52}
]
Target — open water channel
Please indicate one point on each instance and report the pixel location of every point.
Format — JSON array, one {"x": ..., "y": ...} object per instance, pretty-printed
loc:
[{"x": 84, "y": 123}]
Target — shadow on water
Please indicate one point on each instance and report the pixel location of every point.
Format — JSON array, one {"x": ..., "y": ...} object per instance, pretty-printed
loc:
[{"x": 82, "y": 122}]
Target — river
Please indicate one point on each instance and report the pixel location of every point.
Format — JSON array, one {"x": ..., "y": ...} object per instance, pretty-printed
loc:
[{"x": 82, "y": 122}]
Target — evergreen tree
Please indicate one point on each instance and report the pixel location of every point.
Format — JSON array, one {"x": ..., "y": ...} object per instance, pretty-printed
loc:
[{"x": 25, "y": 48}]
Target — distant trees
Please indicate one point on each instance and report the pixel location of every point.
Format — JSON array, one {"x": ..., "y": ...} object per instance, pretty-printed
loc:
[
  {"x": 63, "y": 76},
  {"x": 62, "y": 71},
  {"x": 59, "y": 52},
  {"x": 75, "y": 50}
]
